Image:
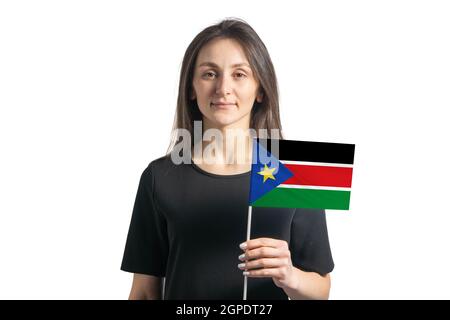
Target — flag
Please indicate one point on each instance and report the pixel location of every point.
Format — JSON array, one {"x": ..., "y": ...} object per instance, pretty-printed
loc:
[{"x": 301, "y": 174}]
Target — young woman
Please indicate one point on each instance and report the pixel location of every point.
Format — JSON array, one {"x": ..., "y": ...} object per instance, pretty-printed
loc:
[{"x": 189, "y": 220}]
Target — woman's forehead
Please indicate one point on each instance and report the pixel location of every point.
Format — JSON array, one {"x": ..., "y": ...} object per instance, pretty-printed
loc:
[{"x": 222, "y": 52}]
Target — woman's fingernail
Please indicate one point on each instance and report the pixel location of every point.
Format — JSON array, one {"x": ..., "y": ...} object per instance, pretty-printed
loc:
[
  {"x": 243, "y": 245},
  {"x": 241, "y": 265},
  {"x": 245, "y": 273},
  {"x": 242, "y": 256}
]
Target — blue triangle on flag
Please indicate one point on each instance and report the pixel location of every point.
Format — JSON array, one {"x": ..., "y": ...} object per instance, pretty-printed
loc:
[{"x": 260, "y": 158}]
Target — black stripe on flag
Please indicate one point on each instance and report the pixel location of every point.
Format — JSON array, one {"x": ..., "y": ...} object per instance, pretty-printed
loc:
[{"x": 290, "y": 150}]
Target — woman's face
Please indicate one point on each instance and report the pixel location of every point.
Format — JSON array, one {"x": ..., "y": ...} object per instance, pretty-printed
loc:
[{"x": 224, "y": 85}]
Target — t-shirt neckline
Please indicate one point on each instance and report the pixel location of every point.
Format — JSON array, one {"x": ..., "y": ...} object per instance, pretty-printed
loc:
[{"x": 223, "y": 176}]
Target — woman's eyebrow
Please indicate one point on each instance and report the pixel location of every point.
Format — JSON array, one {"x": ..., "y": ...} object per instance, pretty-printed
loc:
[{"x": 212, "y": 64}]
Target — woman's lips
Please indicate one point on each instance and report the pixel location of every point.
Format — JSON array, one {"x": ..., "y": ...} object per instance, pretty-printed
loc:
[{"x": 223, "y": 105}]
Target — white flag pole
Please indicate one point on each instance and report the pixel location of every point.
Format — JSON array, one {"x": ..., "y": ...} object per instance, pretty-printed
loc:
[{"x": 249, "y": 224}]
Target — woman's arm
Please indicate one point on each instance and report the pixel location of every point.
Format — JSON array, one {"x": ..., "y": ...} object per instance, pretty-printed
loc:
[
  {"x": 145, "y": 287},
  {"x": 310, "y": 285}
]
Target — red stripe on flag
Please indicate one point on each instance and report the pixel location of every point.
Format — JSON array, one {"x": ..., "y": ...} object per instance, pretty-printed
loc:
[{"x": 320, "y": 176}]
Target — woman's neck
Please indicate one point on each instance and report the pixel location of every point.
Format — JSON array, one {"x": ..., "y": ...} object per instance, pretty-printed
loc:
[{"x": 225, "y": 150}]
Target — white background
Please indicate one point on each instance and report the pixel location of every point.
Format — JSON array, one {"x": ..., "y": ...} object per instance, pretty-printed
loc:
[{"x": 87, "y": 97}]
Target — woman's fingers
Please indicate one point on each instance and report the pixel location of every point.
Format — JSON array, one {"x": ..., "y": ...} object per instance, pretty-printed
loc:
[
  {"x": 263, "y": 242},
  {"x": 263, "y": 248},
  {"x": 266, "y": 257},
  {"x": 264, "y": 273},
  {"x": 264, "y": 252},
  {"x": 262, "y": 263}
]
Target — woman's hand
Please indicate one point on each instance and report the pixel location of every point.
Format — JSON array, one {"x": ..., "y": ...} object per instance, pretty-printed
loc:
[{"x": 267, "y": 257}]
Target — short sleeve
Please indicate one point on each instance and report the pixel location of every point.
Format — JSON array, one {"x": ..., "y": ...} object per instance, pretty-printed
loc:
[
  {"x": 146, "y": 248},
  {"x": 310, "y": 247}
]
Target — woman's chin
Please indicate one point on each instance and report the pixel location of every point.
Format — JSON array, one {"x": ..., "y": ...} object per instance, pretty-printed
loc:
[{"x": 224, "y": 121}]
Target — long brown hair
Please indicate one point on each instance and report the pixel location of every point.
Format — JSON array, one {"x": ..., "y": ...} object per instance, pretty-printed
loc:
[{"x": 264, "y": 115}]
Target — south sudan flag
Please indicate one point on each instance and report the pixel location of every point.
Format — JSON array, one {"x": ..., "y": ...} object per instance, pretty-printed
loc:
[{"x": 301, "y": 174}]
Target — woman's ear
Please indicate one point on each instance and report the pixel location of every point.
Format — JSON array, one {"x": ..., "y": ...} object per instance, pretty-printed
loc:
[
  {"x": 193, "y": 95},
  {"x": 259, "y": 97}
]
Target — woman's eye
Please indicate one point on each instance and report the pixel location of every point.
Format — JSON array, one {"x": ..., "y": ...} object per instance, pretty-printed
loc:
[
  {"x": 209, "y": 75},
  {"x": 240, "y": 75}
]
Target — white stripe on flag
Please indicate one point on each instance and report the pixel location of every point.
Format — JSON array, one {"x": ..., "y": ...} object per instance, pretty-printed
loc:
[
  {"x": 297, "y": 186},
  {"x": 325, "y": 164}
]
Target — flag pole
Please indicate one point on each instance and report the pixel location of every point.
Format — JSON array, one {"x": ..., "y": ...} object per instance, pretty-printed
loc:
[{"x": 249, "y": 223}]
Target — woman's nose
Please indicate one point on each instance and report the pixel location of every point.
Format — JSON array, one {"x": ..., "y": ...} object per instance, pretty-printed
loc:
[{"x": 223, "y": 85}]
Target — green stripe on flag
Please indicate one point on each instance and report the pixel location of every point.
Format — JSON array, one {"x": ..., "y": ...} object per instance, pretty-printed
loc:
[{"x": 305, "y": 198}]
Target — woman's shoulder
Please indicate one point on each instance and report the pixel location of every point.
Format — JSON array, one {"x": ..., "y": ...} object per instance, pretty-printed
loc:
[
  {"x": 161, "y": 162},
  {"x": 162, "y": 166},
  {"x": 162, "y": 174}
]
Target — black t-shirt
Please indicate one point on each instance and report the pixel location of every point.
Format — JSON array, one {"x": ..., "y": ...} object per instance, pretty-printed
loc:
[{"x": 187, "y": 225}]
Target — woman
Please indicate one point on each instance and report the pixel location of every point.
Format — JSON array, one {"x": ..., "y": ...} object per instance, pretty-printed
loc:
[{"x": 189, "y": 220}]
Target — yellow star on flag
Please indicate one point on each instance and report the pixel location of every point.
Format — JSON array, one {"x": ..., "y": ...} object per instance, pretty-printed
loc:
[{"x": 267, "y": 173}]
